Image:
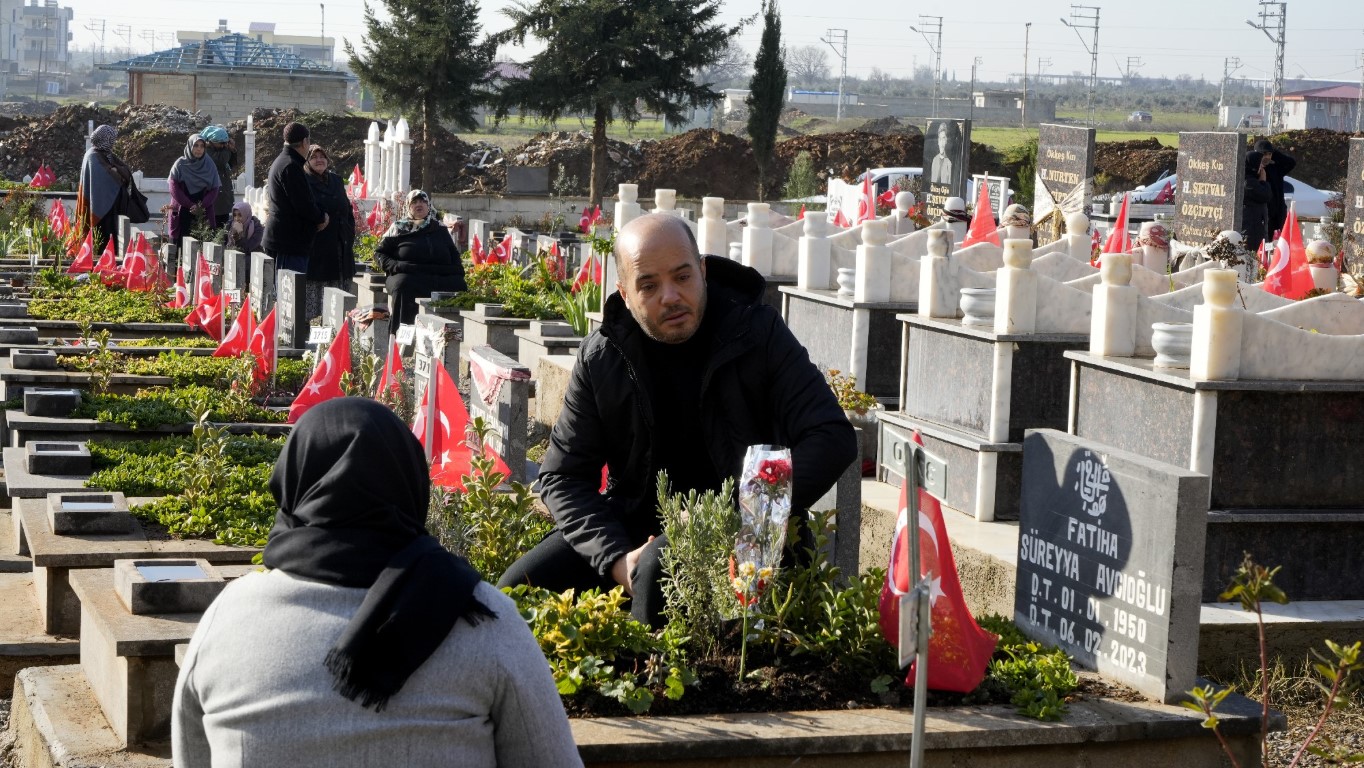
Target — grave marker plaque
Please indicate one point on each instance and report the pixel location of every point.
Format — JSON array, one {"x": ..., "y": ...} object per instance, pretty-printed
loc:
[
  {"x": 213, "y": 252},
  {"x": 290, "y": 308},
  {"x": 947, "y": 152},
  {"x": 1065, "y": 165},
  {"x": 1211, "y": 185},
  {"x": 1110, "y": 560},
  {"x": 262, "y": 284},
  {"x": 336, "y": 303},
  {"x": 1354, "y": 202},
  {"x": 235, "y": 270}
]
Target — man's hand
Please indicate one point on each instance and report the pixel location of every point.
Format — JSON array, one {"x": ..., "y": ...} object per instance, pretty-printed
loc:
[
  {"x": 626, "y": 565},
  {"x": 326, "y": 219}
]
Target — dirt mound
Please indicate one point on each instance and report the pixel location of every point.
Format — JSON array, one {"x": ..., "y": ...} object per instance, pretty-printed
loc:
[
  {"x": 57, "y": 139},
  {"x": 701, "y": 162},
  {"x": 151, "y": 137},
  {"x": 1123, "y": 165},
  {"x": 28, "y": 108},
  {"x": 1322, "y": 156},
  {"x": 568, "y": 156},
  {"x": 887, "y": 125}
]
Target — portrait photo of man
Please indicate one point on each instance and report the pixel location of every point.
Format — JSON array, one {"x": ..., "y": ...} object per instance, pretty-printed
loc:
[{"x": 945, "y": 137}]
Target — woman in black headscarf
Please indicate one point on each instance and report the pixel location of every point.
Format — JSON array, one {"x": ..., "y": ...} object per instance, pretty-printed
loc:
[
  {"x": 1255, "y": 207},
  {"x": 331, "y": 263},
  {"x": 103, "y": 192},
  {"x": 193, "y": 184},
  {"x": 420, "y": 257},
  {"x": 366, "y": 640}
]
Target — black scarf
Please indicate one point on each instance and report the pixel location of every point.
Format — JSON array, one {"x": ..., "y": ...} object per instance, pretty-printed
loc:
[{"x": 353, "y": 488}]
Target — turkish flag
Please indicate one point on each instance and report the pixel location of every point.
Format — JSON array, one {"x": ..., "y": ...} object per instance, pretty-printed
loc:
[
  {"x": 476, "y": 250},
  {"x": 239, "y": 337},
  {"x": 375, "y": 218},
  {"x": 135, "y": 270},
  {"x": 203, "y": 281},
  {"x": 959, "y": 650},
  {"x": 391, "y": 379},
  {"x": 208, "y": 316},
  {"x": 451, "y": 454},
  {"x": 263, "y": 347},
  {"x": 983, "y": 228},
  {"x": 419, "y": 422},
  {"x": 590, "y": 270},
  {"x": 107, "y": 266},
  {"x": 585, "y": 221},
  {"x": 554, "y": 262},
  {"x": 1166, "y": 194},
  {"x": 1118, "y": 240},
  {"x": 325, "y": 383},
  {"x": 840, "y": 220},
  {"x": 181, "y": 290},
  {"x": 503, "y": 252},
  {"x": 85, "y": 257},
  {"x": 887, "y": 198},
  {"x": 56, "y": 218},
  {"x": 866, "y": 202},
  {"x": 1288, "y": 275}
]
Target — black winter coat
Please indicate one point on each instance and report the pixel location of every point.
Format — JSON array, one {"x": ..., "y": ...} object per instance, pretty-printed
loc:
[
  {"x": 418, "y": 264},
  {"x": 1255, "y": 212},
  {"x": 759, "y": 387},
  {"x": 293, "y": 215},
  {"x": 333, "y": 255}
]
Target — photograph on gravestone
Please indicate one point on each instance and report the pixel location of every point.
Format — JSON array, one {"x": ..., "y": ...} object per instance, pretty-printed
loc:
[
  {"x": 1211, "y": 185},
  {"x": 1354, "y": 204},
  {"x": 1064, "y": 181},
  {"x": 947, "y": 153},
  {"x": 1110, "y": 560}
]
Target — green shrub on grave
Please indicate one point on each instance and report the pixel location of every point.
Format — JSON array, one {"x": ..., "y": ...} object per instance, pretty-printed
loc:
[
  {"x": 160, "y": 406},
  {"x": 184, "y": 369},
  {"x": 93, "y": 302}
]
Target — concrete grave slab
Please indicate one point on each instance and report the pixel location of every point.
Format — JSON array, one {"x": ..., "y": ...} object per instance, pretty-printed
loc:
[
  {"x": 51, "y": 402},
  {"x": 48, "y": 457},
  {"x": 72, "y": 514},
  {"x": 19, "y": 335},
  {"x": 33, "y": 359},
  {"x": 166, "y": 586}
]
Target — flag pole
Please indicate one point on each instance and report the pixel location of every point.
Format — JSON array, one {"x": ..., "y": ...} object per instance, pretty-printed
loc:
[{"x": 913, "y": 458}]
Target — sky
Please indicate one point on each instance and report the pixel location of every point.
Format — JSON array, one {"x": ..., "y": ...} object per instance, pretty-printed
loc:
[{"x": 1154, "y": 38}]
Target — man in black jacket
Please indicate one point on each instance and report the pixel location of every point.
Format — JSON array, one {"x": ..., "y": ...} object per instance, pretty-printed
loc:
[
  {"x": 688, "y": 369},
  {"x": 1279, "y": 165},
  {"x": 294, "y": 216}
]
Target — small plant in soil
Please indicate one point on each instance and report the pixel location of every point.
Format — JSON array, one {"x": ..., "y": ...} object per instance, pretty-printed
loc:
[{"x": 1336, "y": 673}]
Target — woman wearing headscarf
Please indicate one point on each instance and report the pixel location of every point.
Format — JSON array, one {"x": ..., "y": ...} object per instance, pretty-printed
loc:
[
  {"x": 103, "y": 192},
  {"x": 244, "y": 230},
  {"x": 193, "y": 186},
  {"x": 365, "y": 643},
  {"x": 420, "y": 257},
  {"x": 222, "y": 150},
  {"x": 1255, "y": 207},
  {"x": 331, "y": 263}
]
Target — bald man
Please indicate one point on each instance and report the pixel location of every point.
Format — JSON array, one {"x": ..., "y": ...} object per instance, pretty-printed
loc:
[{"x": 688, "y": 369}]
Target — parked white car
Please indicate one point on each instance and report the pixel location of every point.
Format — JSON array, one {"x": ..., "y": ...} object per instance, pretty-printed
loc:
[{"x": 1309, "y": 202}]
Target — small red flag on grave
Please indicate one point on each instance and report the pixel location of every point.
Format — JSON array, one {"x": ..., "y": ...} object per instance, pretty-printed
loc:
[
  {"x": 983, "y": 228},
  {"x": 451, "y": 454},
  {"x": 238, "y": 338},
  {"x": 85, "y": 257},
  {"x": 107, "y": 266},
  {"x": 959, "y": 650},
  {"x": 208, "y": 317},
  {"x": 203, "y": 281},
  {"x": 1288, "y": 276},
  {"x": 56, "y": 218},
  {"x": 866, "y": 202},
  {"x": 476, "y": 250},
  {"x": 181, "y": 290},
  {"x": 887, "y": 198},
  {"x": 1118, "y": 239},
  {"x": 391, "y": 379},
  {"x": 325, "y": 383},
  {"x": 840, "y": 220},
  {"x": 263, "y": 347},
  {"x": 502, "y": 254},
  {"x": 590, "y": 271},
  {"x": 554, "y": 262}
]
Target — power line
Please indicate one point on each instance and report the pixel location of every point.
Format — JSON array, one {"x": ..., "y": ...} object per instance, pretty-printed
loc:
[
  {"x": 1276, "y": 20},
  {"x": 840, "y": 35},
  {"x": 1078, "y": 14},
  {"x": 937, "y": 52}
]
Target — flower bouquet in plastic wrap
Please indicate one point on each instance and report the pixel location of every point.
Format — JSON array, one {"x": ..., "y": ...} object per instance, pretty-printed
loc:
[{"x": 764, "y": 507}]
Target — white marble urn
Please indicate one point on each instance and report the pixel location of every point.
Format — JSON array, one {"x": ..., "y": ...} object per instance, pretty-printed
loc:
[
  {"x": 978, "y": 306},
  {"x": 1173, "y": 343}
]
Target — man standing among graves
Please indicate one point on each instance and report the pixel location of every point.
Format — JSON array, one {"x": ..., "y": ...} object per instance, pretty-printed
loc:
[
  {"x": 1277, "y": 166},
  {"x": 688, "y": 369},
  {"x": 294, "y": 216}
]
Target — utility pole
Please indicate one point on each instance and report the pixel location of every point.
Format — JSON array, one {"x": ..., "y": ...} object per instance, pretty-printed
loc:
[
  {"x": 99, "y": 32},
  {"x": 974, "y": 63},
  {"x": 1133, "y": 63},
  {"x": 1276, "y": 20},
  {"x": 323, "y": 39},
  {"x": 839, "y": 36},
  {"x": 1229, "y": 65},
  {"x": 936, "y": 25},
  {"x": 1359, "y": 106},
  {"x": 1089, "y": 15},
  {"x": 1027, "y": 35}
]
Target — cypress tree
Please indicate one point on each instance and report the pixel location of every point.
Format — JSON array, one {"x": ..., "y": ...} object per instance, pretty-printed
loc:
[{"x": 767, "y": 93}]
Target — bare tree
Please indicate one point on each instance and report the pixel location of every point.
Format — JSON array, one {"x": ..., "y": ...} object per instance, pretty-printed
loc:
[
  {"x": 807, "y": 64},
  {"x": 733, "y": 67}
]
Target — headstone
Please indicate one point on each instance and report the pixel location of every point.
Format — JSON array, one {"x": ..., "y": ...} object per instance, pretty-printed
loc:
[
  {"x": 190, "y": 248},
  {"x": 290, "y": 309},
  {"x": 480, "y": 229},
  {"x": 11, "y": 310},
  {"x": 50, "y": 457},
  {"x": 236, "y": 271},
  {"x": 213, "y": 254},
  {"x": 1065, "y": 164},
  {"x": 52, "y": 403},
  {"x": 262, "y": 284},
  {"x": 125, "y": 231},
  {"x": 1110, "y": 562},
  {"x": 336, "y": 303},
  {"x": 436, "y": 341},
  {"x": 947, "y": 153},
  {"x": 1354, "y": 203},
  {"x": 88, "y": 513},
  {"x": 1211, "y": 185},
  {"x": 150, "y": 587},
  {"x": 524, "y": 180},
  {"x": 33, "y": 359},
  {"x": 500, "y": 393},
  {"x": 16, "y": 334}
]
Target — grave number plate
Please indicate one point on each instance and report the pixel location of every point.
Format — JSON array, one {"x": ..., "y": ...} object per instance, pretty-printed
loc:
[
  {"x": 234, "y": 296},
  {"x": 909, "y": 626},
  {"x": 320, "y": 334},
  {"x": 406, "y": 333}
]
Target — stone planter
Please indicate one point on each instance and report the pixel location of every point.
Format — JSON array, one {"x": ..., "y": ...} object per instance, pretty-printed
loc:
[
  {"x": 1324, "y": 276},
  {"x": 1173, "y": 343},
  {"x": 847, "y": 279},
  {"x": 865, "y": 423},
  {"x": 978, "y": 306}
]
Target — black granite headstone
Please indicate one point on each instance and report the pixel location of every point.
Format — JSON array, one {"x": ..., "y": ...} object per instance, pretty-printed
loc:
[
  {"x": 291, "y": 309},
  {"x": 947, "y": 153},
  {"x": 1211, "y": 185},
  {"x": 1110, "y": 560},
  {"x": 1354, "y": 203},
  {"x": 1065, "y": 163}
]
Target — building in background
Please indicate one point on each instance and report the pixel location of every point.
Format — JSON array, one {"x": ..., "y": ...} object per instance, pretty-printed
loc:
[
  {"x": 229, "y": 76},
  {"x": 313, "y": 47},
  {"x": 35, "y": 42},
  {"x": 1331, "y": 107}
]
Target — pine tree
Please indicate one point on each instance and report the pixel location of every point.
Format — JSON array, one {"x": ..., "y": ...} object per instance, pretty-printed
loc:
[
  {"x": 767, "y": 93},
  {"x": 614, "y": 59},
  {"x": 427, "y": 61}
]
